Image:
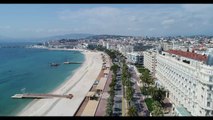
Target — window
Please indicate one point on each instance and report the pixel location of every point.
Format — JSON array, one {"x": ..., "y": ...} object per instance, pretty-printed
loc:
[
  {"x": 210, "y": 78},
  {"x": 209, "y": 95},
  {"x": 210, "y": 87},
  {"x": 208, "y": 104},
  {"x": 207, "y": 112}
]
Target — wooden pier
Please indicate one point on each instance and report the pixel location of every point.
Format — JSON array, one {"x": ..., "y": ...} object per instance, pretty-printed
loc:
[
  {"x": 72, "y": 63},
  {"x": 40, "y": 96}
]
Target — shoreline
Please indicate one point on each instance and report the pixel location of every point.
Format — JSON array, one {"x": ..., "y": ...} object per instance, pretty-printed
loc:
[{"x": 74, "y": 84}]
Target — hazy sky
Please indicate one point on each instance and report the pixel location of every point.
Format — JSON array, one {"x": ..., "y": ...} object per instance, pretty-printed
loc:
[{"x": 40, "y": 20}]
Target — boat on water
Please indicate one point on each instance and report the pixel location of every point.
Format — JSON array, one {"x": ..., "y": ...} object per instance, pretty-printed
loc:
[{"x": 54, "y": 64}]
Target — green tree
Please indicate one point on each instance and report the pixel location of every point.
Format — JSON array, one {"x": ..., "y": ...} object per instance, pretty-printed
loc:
[
  {"x": 157, "y": 109},
  {"x": 109, "y": 106},
  {"x": 146, "y": 78},
  {"x": 152, "y": 91},
  {"x": 114, "y": 68},
  {"x": 159, "y": 94},
  {"x": 129, "y": 93},
  {"x": 132, "y": 111},
  {"x": 144, "y": 91}
]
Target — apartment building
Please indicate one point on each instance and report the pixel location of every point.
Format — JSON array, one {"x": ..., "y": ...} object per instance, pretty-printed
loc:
[
  {"x": 124, "y": 49},
  {"x": 135, "y": 58},
  {"x": 150, "y": 60},
  {"x": 166, "y": 46},
  {"x": 189, "y": 79}
]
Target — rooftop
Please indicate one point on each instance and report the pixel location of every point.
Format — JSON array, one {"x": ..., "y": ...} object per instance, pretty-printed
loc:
[
  {"x": 90, "y": 108},
  {"x": 190, "y": 55}
]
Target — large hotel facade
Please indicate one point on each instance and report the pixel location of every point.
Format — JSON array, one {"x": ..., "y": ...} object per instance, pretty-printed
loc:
[{"x": 189, "y": 80}]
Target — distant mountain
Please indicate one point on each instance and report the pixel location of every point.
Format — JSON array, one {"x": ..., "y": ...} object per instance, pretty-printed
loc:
[
  {"x": 106, "y": 36},
  {"x": 6, "y": 39},
  {"x": 69, "y": 36},
  {"x": 43, "y": 39}
]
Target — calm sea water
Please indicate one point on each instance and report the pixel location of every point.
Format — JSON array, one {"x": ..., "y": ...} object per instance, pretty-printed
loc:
[{"x": 28, "y": 70}]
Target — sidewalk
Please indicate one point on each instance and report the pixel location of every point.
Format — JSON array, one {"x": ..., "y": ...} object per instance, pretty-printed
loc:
[
  {"x": 124, "y": 107},
  {"x": 101, "y": 109},
  {"x": 141, "y": 101}
]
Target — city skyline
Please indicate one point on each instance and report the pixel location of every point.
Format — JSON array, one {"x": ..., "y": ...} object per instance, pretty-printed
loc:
[{"x": 43, "y": 20}]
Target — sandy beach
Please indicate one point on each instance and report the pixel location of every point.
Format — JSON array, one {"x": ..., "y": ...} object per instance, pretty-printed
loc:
[{"x": 78, "y": 85}]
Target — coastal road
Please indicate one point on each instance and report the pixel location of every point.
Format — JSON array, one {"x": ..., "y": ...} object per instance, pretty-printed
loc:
[{"x": 117, "y": 107}]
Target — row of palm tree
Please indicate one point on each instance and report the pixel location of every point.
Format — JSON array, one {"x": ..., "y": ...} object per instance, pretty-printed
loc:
[
  {"x": 114, "y": 67},
  {"x": 110, "y": 100},
  {"x": 128, "y": 90},
  {"x": 157, "y": 94}
]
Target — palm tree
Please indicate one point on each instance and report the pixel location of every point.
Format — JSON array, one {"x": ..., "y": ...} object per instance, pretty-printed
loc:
[
  {"x": 146, "y": 78},
  {"x": 132, "y": 111},
  {"x": 109, "y": 107},
  {"x": 129, "y": 94},
  {"x": 157, "y": 109},
  {"x": 160, "y": 94},
  {"x": 144, "y": 91},
  {"x": 114, "y": 68},
  {"x": 152, "y": 91}
]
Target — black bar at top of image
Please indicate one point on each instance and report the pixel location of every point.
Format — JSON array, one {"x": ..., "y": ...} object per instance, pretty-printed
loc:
[{"x": 106, "y": 2}]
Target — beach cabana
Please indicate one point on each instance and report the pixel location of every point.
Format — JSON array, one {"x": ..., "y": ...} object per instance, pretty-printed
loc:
[
  {"x": 107, "y": 65},
  {"x": 90, "y": 94},
  {"x": 90, "y": 108},
  {"x": 101, "y": 84},
  {"x": 106, "y": 72}
]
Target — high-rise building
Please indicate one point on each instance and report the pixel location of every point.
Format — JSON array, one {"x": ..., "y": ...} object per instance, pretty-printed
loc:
[{"x": 150, "y": 60}]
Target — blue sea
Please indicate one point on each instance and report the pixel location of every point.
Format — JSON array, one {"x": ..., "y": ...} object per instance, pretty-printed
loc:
[{"x": 27, "y": 70}]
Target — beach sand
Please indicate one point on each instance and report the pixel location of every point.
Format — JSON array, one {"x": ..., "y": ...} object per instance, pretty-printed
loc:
[{"x": 78, "y": 85}]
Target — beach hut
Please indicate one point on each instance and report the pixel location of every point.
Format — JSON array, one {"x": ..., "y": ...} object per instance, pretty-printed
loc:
[
  {"x": 91, "y": 94},
  {"x": 107, "y": 65},
  {"x": 101, "y": 84},
  {"x": 106, "y": 72}
]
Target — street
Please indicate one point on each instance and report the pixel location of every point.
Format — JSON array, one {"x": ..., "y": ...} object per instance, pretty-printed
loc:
[{"x": 117, "y": 107}]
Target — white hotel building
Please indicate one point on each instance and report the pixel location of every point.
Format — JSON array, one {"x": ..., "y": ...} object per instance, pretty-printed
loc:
[
  {"x": 189, "y": 81},
  {"x": 150, "y": 61}
]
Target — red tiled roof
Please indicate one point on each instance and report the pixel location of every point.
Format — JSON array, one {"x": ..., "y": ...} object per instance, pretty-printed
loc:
[{"x": 190, "y": 55}]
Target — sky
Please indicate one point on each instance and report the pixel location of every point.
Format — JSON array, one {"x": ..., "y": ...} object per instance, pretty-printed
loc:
[{"x": 43, "y": 20}]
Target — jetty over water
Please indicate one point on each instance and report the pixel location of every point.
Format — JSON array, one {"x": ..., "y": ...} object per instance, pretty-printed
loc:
[
  {"x": 40, "y": 96},
  {"x": 72, "y": 62}
]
